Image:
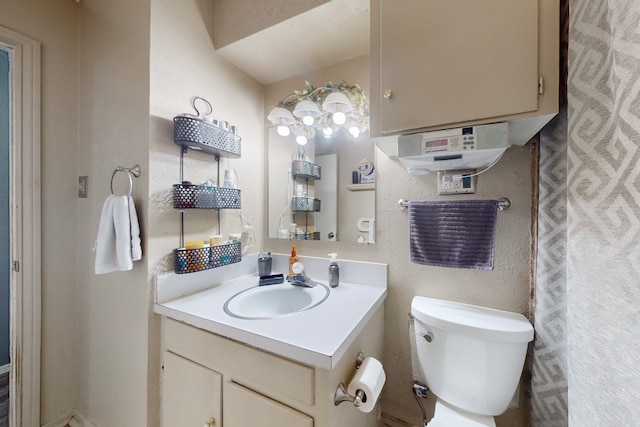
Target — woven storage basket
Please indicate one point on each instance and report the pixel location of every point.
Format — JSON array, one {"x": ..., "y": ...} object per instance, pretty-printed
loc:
[
  {"x": 203, "y": 136},
  {"x": 186, "y": 196},
  {"x": 305, "y": 204},
  {"x": 192, "y": 260},
  {"x": 304, "y": 169}
]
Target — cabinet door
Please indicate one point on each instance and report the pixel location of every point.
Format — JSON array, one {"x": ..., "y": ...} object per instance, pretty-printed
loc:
[
  {"x": 191, "y": 394},
  {"x": 244, "y": 407},
  {"x": 450, "y": 61}
]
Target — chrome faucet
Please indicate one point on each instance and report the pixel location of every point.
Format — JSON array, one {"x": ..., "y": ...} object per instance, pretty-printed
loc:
[{"x": 300, "y": 278}]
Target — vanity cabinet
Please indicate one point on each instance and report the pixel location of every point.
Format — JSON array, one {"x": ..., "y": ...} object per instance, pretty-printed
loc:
[
  {"x": 443, "y": 63},
  {"x": 204, "y": 372}
]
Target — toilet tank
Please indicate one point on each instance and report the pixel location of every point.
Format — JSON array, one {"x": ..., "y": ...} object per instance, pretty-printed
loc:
[{"x": 473, "y": 356}]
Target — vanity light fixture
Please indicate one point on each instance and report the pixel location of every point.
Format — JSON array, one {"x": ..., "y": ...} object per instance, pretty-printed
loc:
[{"x": 324, "y": 109}]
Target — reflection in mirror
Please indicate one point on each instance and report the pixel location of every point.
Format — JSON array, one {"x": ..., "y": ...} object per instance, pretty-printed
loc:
[{"x": 311, "y": 189}]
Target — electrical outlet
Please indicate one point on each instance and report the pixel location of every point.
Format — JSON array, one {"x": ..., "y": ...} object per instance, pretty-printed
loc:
[
  {"x": 456, "y": 182},
  {"x": 444, "y": 181}
]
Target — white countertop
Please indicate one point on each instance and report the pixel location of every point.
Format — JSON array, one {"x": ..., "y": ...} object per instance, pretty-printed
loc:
[{"x": 318, "y": 336}]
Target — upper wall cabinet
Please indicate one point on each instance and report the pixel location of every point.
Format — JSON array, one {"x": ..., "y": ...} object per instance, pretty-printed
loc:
[{"x": 444, "y": 63}]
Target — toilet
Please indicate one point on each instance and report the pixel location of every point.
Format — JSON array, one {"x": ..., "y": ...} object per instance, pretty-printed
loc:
[{"x": 471, "y": 358}]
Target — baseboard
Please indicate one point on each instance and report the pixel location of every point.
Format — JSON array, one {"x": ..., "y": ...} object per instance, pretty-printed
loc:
[
  {"x": 73, "y": 418},
  {"x": 387, "y": 420}
]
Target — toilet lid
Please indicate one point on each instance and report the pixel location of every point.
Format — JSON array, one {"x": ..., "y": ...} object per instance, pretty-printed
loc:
[{"x": 481, "y": 322}]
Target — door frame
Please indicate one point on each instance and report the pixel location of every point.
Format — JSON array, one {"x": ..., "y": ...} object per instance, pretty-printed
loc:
[{"x": 25, "y": 213}]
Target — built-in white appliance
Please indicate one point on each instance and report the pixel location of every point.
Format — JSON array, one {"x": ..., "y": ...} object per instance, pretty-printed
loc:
[{"x": 468, "y": 147}]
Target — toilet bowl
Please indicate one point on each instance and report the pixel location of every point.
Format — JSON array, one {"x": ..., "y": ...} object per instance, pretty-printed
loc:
[{"x": 471, "y": 358}]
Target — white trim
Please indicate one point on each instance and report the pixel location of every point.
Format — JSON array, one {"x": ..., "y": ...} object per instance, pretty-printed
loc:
[
  {"x": 26, "y": 228},
  {"x": 73, "y": 418}
]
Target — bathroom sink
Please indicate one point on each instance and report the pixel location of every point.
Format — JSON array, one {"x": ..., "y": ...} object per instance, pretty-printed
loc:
[{"x": 266, "y": 302}]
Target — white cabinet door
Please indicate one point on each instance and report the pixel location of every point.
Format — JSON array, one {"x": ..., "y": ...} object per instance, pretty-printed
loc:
[
  {"x": 245, "y": 408},
  {"x": 191, "y": 394},
  {"x": 449, "y": 61}
]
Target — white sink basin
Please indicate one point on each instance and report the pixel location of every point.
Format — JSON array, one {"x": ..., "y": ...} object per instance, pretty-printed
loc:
[{"x": 265, "y": 302}]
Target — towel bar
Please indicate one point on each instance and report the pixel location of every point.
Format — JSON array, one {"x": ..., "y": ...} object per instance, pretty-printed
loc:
[{"x": 503, "y": 204}]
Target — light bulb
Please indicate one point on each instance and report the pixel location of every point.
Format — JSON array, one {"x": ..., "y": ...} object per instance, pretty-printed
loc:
[
  {"x": 308, "y": 120},
  {"x": 339, "y": 118},
  {"x": 354, "y": 131},
  {"x": 301, "y": 140},
  {"x": 283, "y": 130},
  {"x": 327, "y": 132}
]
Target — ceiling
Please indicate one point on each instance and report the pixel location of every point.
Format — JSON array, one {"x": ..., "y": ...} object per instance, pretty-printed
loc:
[{"x": 335, "y": 31}]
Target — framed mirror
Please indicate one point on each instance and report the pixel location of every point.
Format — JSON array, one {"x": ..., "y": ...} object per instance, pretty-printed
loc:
[{"x": 312, "y": 192}]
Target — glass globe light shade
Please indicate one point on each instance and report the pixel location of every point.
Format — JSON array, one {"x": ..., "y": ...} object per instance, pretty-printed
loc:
[
  {"x": 301, "y": 140},
  {"x": 283, "y": 130},
  {"x": 354, "y": 131},
  {"x": 306, "y": 108},
  {"x": 327, "y": 132},
  {"x": 280, "y": 116},
  {"x": 339, "y": 118},
  {"x": 336, "y": 102}
]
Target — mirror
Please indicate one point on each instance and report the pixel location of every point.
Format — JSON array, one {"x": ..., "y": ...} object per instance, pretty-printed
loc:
[{"x": 311, "y": 194}]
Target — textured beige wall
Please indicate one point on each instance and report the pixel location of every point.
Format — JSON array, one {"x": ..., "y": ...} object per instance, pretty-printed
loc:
[
  {"x": 183, "y": 65},
  {"x": 54, "y": 24},
  {"x": 506, "y": 287},
  {"x": 235, "y": 19},
  {"x": 113, "y": 309}
]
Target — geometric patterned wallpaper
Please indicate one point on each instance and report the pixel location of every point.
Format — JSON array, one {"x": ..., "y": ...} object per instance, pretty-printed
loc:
[
  {"x": 549, "y": 393},
  {"x": 603, "y": 214},
  {"x": 549, "y": 358}
]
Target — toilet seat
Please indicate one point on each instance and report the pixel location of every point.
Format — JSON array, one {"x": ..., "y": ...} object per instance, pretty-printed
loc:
[{"x": 448, "y": 416}]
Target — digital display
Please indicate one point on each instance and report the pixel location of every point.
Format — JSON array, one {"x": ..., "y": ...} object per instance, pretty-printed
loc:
[{"x": 435, "y": 143}]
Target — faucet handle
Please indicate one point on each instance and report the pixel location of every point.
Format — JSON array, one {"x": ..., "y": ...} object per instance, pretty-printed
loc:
[{"x": 298, "y": 268}]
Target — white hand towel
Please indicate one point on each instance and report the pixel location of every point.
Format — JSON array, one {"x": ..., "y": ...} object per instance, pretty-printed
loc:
[
  {"x": 114, "y": 241},
  {"x": 122, "y": 227},
  {"x": 136, "y": 249}
]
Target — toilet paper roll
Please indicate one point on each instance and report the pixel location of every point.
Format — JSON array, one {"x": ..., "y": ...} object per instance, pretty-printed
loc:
[{"x": 370, "y": 378}]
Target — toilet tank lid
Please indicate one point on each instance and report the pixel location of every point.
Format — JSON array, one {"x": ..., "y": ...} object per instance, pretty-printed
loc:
[{"x": 472, "y": 320}]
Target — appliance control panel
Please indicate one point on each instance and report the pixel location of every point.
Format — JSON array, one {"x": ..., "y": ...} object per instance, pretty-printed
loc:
[{"x": 464, "y": 140}]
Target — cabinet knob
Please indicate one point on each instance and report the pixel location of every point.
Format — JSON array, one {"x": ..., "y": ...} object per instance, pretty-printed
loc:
[
  {"x": 388, "y": 94},
  {"x": 211, "y": 422}
]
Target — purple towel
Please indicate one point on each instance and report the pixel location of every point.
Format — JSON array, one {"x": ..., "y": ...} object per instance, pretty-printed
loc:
[{"x": 453, "y": 233}]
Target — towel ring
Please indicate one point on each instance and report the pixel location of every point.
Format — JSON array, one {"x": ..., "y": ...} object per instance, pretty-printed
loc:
[{"x": 135, "y": 171}]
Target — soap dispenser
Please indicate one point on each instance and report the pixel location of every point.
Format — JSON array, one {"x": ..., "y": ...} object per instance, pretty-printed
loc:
[
  {"x": 292, "y": 259},
  {"x": 334, "y": 271}
]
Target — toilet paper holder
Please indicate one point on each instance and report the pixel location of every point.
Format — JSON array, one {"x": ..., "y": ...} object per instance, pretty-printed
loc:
[{"x": 342, "y": 395}]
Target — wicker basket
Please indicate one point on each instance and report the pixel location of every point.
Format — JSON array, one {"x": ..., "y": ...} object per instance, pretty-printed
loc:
[
  {"x": 202, "y": 136},
  {"x": 303, "y": 169},
  {"x": 187, "y": 196},
  {"x": 192, "y": 260},
  {"x": 305, "y": 204},
  {"x": 305, "y": 236}
]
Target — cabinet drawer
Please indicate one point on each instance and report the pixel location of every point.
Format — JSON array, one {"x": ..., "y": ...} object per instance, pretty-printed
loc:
[
  {"x": 243, "y": 407},
  {"x": 262, "y": 371}
]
